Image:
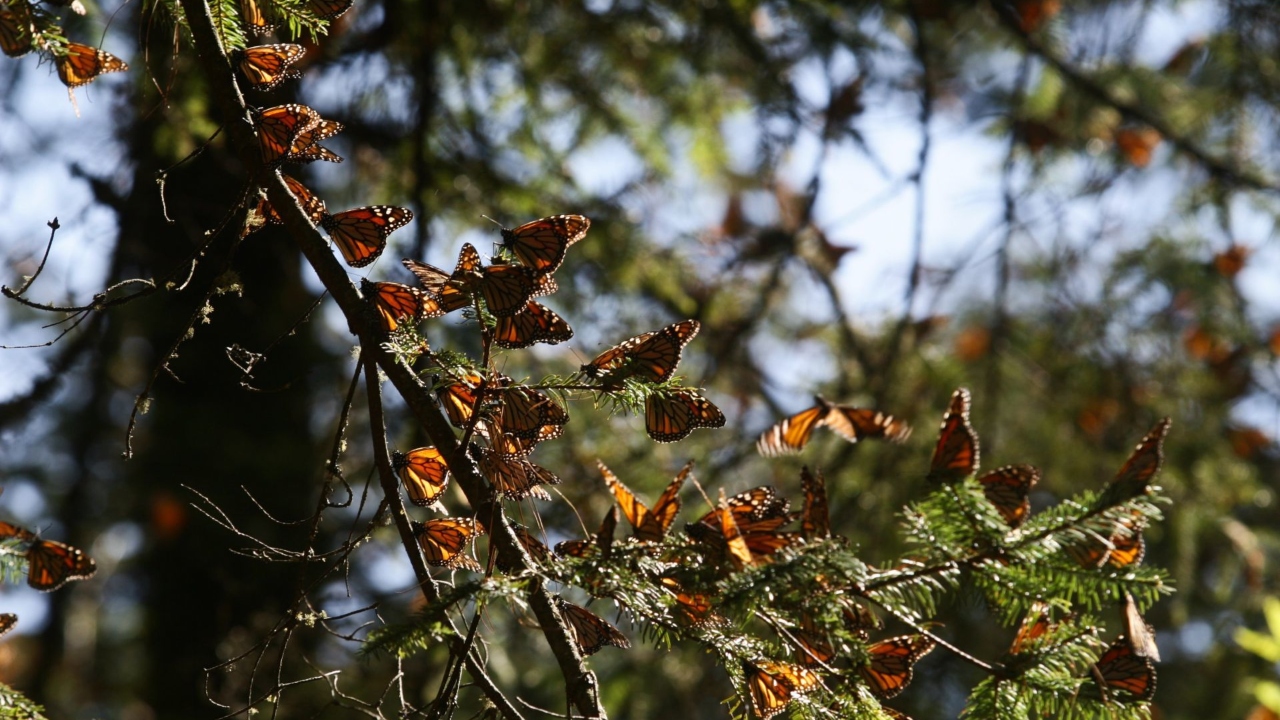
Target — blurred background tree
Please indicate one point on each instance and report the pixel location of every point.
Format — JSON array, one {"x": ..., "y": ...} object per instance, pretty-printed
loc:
[{"x": 1066, "y": 207}]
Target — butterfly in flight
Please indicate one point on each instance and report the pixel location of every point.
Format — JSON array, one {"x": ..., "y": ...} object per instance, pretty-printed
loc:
[
  {"x": 444, "y": 542},
  {"x": 772, "y": 685},
  {"x": 542, "y": 244},
  {"x": 361, "y": 234},
  {"x": 650, "y": 525},
  {"x": 651, "y": 356},
  {"x": 590, "y": 631},
  {"x": 670, "y": 415},
  {"x": 892, "y": 662},
  {"x": 956, "y": 455},
  {"x": 266, "y": 66},
  {"x": 17, "y": 29},
  {"x": 1008, "y": 488},
  {"x": 312, "y": 205},
  {"x": 279, "y": 126},
  {"x": 602, "y": 541},
  {"x": 1122, "y": 675},
  {"x": 82, "y": 64},
  {"x": 1135, "y": 476},
  {"x": 851, "y": 423},
  {"x": 536, "y": 323},
  {"x": 424, "y": 473},
  {"x": 397, "y": 303}
]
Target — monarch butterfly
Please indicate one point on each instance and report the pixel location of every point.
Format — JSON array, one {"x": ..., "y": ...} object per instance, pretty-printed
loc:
[
  {"x": 258, "y": 21},
  {"x": 444, "y": 540},
  {"x": 542, "y": 244},
  {"x": 83, "y": 64},
  {"x": 755, "y": 508},
  {"x": 510, "y": 446},
  {"x": 537, "y": 323},
  {"x": 279, "y": 126},
  {"x": 590, "y": 631},
  {"x": 506, "y": 289},
  {"x": 266, "y": 66},
  {"x": 669, "y": 416},
  {"x": 515, "y": 478},
  {"x": 436, "y": 281},
  {"x": 395, "y": 303},
  {"x": 1123, "y": 548},
  {"x": 772, "y": 685},
  {"x": 858, "y": 619},
  {"x": 651, "y": 356},
  {"x": 602, "y": 540},
  {"x": 1008, "y": 488},
  {"x": 536, "y": 549},
  {"x": 815, "y": 522},
  {"x": 1137, "y": 472},
  {"x": 460, "y": 397},
  {"x": 1141, "y": 636},
  {"x": 305, "y": 147},
  {"x": 956, "y": 455},
  {"x": 311, "y": 204},
  {"x": 890, "y": 668},
  {"x": 52, "y": 564},
  {"x": 16, "y": 28},
  {"x": 793, "y": 433},
  {"x": 1122, "y": 674},
  {"x": 1034, "y": 626},
  {"x": 814, "y": 647},
  {"x": 329, "y": 9},
  {"x": 525, "y": 412},
  {"x": 424, "y": 473},
  {"x": 361, "y": 234},
  {"x": 694, "y": 608},
  {"x": 649, "y": 525},
  {"x": 7, "y": 621}
]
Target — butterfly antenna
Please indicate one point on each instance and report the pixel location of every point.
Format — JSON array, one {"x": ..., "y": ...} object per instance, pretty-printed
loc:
[
  {"x": 701, "y": 491},
  {"x": 495, "y": 222}
]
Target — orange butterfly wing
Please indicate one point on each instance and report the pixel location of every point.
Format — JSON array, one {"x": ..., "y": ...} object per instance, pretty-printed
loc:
[
  {"x": 602, "y": 540},
  {"x": 83, "y": 64},
  {"x": 305, "y": 147},
  {"x": 791, "y": 434},
  {"x": 537, "y": 323},
  {"x": 651, "y": 356},
  {"x": 853, "y": 424},
  {"x": 396, "y": 303},
  {"x": 329, "y": 9},
  {"x": 279, "y": 126},
  {"x": 670, "y": 416},
  {"x": 257, "y": 19},
  {"x": 525, "y": 412},
  {"x": 892, "y": 662},
  {"x": 16, "y": 28},
  {"x": 312, "y": 205},
  {"x": 956, "y": 455},
  {"x": 591, "y": 631},
  {"x": 542, "y": 244},
  {"x": 1143, "y": 464},
  {"x": 52, "y": 564},
  {"x": 266, "y": 66},
  {"x": 515, "y": 478},
  {"x": 444, "y": 541},
  {"x": 1131, "y": 677},
  {"x": 815, "y": 522},
  {"x": 459, "y": 399},
  {"x": 361, "y": 234},
  {"x": 772, "y": 685},
  {"x": 1008, "y": 489},
  {"x": 424, "y": 473}
]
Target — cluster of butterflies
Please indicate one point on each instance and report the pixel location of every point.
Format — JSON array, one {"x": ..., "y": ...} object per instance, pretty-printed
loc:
[
  {"x": 24, "y": 27},
  {"x": 50, "y": 564}
]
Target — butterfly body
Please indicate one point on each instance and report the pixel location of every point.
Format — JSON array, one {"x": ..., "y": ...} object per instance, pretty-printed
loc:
[
  {"x": 891, "y": 664},
  {"x": 590, "y": 631},
  {"x": 1121, "y": 675},
  {"x": 650, "y": 525},
  {"x": 956, "y": 455},
  {"x": 279, "y": 126},
  {"x": 772, "y": 685},
  {"x": 444, "y": 542},
  {"x": 396, "y": 303},
  {"x": 536, "y": 323},
  {"x": 1008, "y": 488},
  {"x": 669, "y": 416},
  {"x": 424, "y": 473}
]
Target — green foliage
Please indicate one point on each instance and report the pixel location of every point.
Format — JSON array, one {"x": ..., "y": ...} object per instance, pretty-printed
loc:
[{"x": 15, "y": 706}]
